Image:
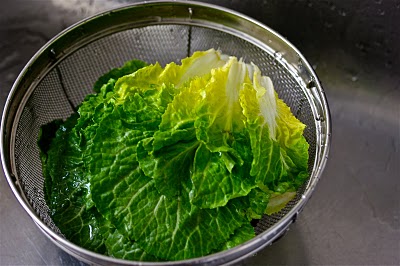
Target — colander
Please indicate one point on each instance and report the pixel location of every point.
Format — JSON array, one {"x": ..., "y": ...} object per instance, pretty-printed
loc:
[{"x": 62, "y": 73}]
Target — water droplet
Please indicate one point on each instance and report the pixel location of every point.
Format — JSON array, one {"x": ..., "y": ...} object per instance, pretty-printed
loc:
[
  {"x": 378, "y": 2},
  {"x": 327, "y": 25},
  {"x": 311, "y": 84},
  {"x": 342, "y": 13},
  {"x": 314, "y": 66},
  {"x": 377, "y": 43},
  {"x": 362, "y": 47},
  {"x": 332, "y": 7},
  {"x": 53, "y": 54},
  {"x": 381, "y": 12},
  {"x": 83, "y": 11},
  {"x": 278, "y": 55},
  {"x": 10, "y": 76},
  {"x": 378, "y": 27},
  {"x": 310, "y": 4},
  {"x": 354, "y": 78}
]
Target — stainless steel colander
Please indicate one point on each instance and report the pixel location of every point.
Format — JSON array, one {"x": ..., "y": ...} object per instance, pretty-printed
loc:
[{"x": 62, "y": 73}]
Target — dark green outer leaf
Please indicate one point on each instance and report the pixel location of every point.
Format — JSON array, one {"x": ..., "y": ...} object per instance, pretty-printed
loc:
[
  {"x": 67, "y": 190},
  {"x": 168, "y": 228},
  {"x": 241, "y": 235},
  {"x": 121, "y": 247}
]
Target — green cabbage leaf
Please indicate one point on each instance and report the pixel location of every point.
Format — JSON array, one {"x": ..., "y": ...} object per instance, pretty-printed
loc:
[{"x": 175, "y": 162}]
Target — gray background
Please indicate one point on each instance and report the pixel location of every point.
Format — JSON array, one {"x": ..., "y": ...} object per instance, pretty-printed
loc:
[{"x": 353, "y": 216}]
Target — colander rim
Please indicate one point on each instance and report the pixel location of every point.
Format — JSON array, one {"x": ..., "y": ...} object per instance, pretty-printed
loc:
[{"x": 245, "y": 249}]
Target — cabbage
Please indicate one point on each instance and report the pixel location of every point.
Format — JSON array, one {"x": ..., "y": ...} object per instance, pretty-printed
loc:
[{"x": 172, "y": 163}]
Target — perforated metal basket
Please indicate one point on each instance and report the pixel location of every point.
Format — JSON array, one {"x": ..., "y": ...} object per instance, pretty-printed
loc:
[{"x": 59, "y": 76}]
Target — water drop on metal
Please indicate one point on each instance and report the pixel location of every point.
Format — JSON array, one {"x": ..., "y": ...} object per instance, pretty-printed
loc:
[
  {"x": 327, "y": 25},
  {"x": 311, "y": 84},
  {"x": 52, "y": 54},
  {"x": 190, "y": 12},
  {"x": 278, "y": 55}
]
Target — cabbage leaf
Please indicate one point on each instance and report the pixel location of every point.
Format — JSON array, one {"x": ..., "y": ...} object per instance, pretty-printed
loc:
[{"x": 170, "y": 163}]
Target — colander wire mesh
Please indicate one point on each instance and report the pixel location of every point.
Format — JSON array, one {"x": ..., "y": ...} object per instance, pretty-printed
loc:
[{"x": 71, "y": 80}]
